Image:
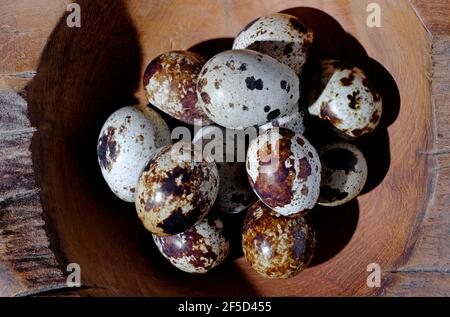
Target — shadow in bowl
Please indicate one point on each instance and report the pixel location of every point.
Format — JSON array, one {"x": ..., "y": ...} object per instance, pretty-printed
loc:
[
  {"x": 334, "y": 229},
  {"x": 83, "y": 76}
]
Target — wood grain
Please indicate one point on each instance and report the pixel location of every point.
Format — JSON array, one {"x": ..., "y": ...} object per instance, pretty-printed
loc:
[{"x": 401, "y": 222}]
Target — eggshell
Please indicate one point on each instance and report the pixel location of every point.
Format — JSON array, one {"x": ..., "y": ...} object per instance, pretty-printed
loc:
[
  {"x": 294, "y": 122},
  {"x": 175, "y": 190},
  {"x": 276, "y": 246},
  {"x": 198, "y": 249},
  {"x": 127, "y": 140},
  {"x": 170, "y": 80},
  {"x": 346, "y": 99},
  {"x": 344, "y": 173},
  {"x": 241, "y": 88},
  {"x": 284, "y": 171},
  {"x": 235, "y": 194},
  {"x": 281, "y": 36}
]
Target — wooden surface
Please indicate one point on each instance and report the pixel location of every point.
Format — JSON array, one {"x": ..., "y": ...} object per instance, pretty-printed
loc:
[{"x": 82, "y": 75}]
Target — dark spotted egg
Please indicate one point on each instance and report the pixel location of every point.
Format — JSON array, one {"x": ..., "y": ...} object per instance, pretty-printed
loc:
[
  {"x": 344, "y": 97},
  {"x": 127, "y": 141},
  {"x": 344, "y": 173},
  {"x": 276, "y": 246},
  {"x": 242, "y": 88},
  {"x": 198, "y": 249},
  {"x": 293, "y": 121},
  {"x": 282, "y": 36},
  {"x": 175, "y": 190},
  {"x": 170, "y": 80},
  {"x": 284, "y": 169},
  {"x": 235, "y": 194}
]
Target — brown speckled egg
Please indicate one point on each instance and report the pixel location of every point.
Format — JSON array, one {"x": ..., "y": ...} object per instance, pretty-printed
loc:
[
  {"x": 175, "y": 190},
  {"x": 281, "y": 36},
  {"x": 276, "y": 246},
  {"x": 344, "y": 97},
  {"x": 242, "y": 88},
  {"x": 235, "y": 194},
  {"x": 344, "y": 173},
  {"x": 170, "y": 81},
  {"x": 198, "y": 249},
  {"x": 127, "y": 140},
  {"x": 283, "y": 169}
]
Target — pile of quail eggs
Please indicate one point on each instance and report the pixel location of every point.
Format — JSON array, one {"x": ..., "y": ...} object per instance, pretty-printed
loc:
[{"x": 181, "y": 200}]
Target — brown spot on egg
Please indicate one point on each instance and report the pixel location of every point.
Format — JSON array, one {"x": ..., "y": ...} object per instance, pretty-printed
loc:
[
  {"x": 304, "y": 169},
  {"x": 354, "y": 100},
  {"x": 230, "y": 65},
  {"x": 359, "y": 132},
  {"x": 300, "y": 141},
  {"x": 217, "y": 83},
  {"x": 244, "y": 108},
  {"x": 201, "y": 84},
  {"x": 266, "y": 108},
  {"x": 107, "y": 149},
  {"x": 205, "y": 97},
  {"x": 328, "y": 115},
  {"x": 347, "y": 81},
  {"x": 340, "y": 159},
  {"x": 152, "y": 68},
  {"x": 276, "y": 186},
  {"x": 375, "y": 117},
  {"x": 369, "y": 85}
]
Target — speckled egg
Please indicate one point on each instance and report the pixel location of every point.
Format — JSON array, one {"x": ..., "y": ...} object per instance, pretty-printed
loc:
[
  {"x": 127, "y": 141},
  {"x": 198, "y": 249},
  {"x": 276, "y": 246},
  {"x": 282, "y": 36},
  {"x": 284, "y": 170},
  {"x": 293, "y": 122},
  {"x": 344, "y": 173},
  {"x": 344, "y": 97},
  {"x": 242, "y": 88},
  {"x": 235, "y": 194},
  {"x": 170, "y": 80},
  {"x": 175, "y": 190}
]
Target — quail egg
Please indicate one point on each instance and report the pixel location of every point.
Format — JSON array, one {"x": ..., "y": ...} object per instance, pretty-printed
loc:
[
  {"x": 344, "y": 97},
  {"x": 127, "y": 141},
  {"x": 170, "y": 80},
  {"x": 284, "y": 170},
  {"x": 242, "y": 88},
  {"x": 198, "y": 249},
  {"x": 175, "y": 190},
  {"x": 293, "y": 122},
  {"x": 281, "y": 36},
  {"x": 235, "y": 194},
  {"x": 344, "y": 173},
  {"x": 276, "y": 246}
]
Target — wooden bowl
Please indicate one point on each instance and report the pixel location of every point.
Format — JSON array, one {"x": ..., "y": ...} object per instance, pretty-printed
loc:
[{"x": 56, "y": 209}]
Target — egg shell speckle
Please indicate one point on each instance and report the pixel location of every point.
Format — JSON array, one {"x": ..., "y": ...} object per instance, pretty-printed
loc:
[
  {"x": 284, "y": 170},
  {"x": 198, "y": 249},
  {"x": 175, "y": 191},
  {"x": 235, "y": 88},
  {"x": 127, "y": 140},
  {"x": 281, "y": 36},
  {"x": 294, "y": 122},
  {"x": 345, "y": 98},
  {"x": 276, "y": 246},
  {"x": 235, "y": 194},
  {"x": 170, "y": 81},
  {"x": 344, "y": 173}
]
